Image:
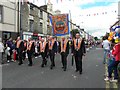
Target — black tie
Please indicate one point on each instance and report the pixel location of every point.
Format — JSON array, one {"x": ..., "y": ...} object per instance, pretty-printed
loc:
[
  {"x": 63, "y": 44},
  {"x": 50, "y": 43},
  {"x": 77, "y": 43}
]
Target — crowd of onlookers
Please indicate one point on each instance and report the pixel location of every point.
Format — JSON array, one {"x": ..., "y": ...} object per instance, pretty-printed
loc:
[{"x": 111, "y": 58}]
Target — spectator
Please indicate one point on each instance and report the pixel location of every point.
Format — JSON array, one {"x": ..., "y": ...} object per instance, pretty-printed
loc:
[
  {"x": 106, "y": 46},
  {"x": 9, "y": 44},
  {"x": 1, "y": 51},
  {"x": 114, "y": 64}
]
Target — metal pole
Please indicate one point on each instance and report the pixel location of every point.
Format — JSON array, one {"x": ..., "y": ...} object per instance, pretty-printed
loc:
[{"x": 21, "y": 31}]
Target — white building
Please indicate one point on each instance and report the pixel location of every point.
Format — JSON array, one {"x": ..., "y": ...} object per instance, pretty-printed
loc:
[{"x": 8, "y": 19}]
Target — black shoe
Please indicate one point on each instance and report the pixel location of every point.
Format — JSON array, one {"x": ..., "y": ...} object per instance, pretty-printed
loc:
[
  {"x": 64, "y": 69},
  {"x": 54, "y": 65},
  {"x": 80, "y": 72},
  {"x": 2, "y": 63},
  {"x": 42, "y": 65},
  {"x": 29, "y": 64},
  {"x": 51, "y": 67},
  {"x": 76, "y": 70},
  {"x": 20, "y": 63},
  {"x": 45, "y": 63}
]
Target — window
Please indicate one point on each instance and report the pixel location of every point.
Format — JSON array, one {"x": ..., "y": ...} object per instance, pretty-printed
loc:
[
  {"x": 31, "y": 7},
  {"x": 41, "y": 14},
  {"x": 41, "y": 27},
  {"x": 1, "y": 13},
  {"x": 31, "y": 25}
]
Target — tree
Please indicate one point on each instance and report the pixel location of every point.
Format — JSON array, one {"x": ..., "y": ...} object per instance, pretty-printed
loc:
[
  {"x": 96, "y": 38},
  {"x": 73, "y": 32}
]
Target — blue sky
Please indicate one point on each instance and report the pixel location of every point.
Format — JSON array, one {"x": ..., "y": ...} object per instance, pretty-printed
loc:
[{"x": 95, "y": 4}]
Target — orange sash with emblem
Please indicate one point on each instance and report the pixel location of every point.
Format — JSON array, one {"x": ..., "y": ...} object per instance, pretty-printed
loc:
[
  {"x": 52, "y": 43},
  {"x": 79, "y": 44},
  {"x": 42, "y": 47},
  {"x": 18, "y": 43},
  {"x": 29, "y": 45},
  {"x": 63, "y": 48}
]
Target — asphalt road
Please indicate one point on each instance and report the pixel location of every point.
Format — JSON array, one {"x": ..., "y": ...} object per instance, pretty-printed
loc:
[{"x": 14, "y": 76}]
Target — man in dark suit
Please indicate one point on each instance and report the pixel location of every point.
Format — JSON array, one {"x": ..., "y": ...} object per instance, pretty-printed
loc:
[
  {"x": 43, "y": 51},
  {"x": 20, "y": 49},
  {"x": 64, "y": 51},
  {"x": 30, "y": 51},
  {"x": 78, "y": 50},
  {"x": 52, "y": 50}
]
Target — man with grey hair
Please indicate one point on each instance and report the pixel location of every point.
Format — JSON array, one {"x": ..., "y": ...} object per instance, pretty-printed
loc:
[
  {"x": 78, "y": 50},
  {"x": 1, "y": 51},
  {"x": 52, "y": 45}
]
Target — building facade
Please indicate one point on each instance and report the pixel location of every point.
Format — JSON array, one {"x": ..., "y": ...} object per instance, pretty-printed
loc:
[
  {"x": 35, "y": 20},
  {"x": 8, "y": 20}
]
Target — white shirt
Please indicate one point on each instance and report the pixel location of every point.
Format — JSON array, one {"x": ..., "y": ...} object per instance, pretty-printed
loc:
[
  {"x": 106, "y": 44},
  {"x": 1, "y": 47}
]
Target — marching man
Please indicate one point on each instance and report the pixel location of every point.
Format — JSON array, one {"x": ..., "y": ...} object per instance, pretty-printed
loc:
[
  {"x": 64, "y": 51},
  {"x": 43, "y": 51},
  {"x": 20, "y": 49},
  {"x": 78, "y": 50},
  {"x": 52, "y": 50},
  {"x": 30, "y": 51}
]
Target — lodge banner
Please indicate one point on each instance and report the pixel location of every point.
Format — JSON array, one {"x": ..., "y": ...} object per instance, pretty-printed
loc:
[{"x": 60, "y": 24}]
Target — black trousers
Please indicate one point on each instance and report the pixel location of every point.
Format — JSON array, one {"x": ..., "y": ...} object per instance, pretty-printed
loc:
[
  {"x": 24, "y": 55},
  {"x": 52, "y": 57},
  {"x": 20, "y": 54},
  {"x": 29, "y": 53},
  {"x": 64, "y": 59},
  {"x": 78, "y": 62},
  {"x": 44, "y": 61}
]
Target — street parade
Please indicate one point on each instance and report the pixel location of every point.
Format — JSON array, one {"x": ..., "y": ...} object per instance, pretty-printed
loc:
[{"x": 60, "y": 44}]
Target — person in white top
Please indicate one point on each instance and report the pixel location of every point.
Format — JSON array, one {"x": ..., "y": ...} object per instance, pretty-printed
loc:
[
  {"x": 106, "y": 45},
  {"x": 1, "y": 51}
]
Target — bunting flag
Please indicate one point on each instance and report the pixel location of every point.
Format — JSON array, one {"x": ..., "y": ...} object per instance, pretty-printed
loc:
[
  {"x": 96, "y": 14},
  {"x": 60, "y": 24}
]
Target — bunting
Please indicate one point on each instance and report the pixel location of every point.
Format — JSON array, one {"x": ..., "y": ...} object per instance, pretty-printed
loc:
[{"x": 96, "y": 14}]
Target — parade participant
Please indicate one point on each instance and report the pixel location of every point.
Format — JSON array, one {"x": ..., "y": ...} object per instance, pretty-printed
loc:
[
  {"x": 25, "y": 49},
  {"x": 52, "y": 51},
  {"x": 78, "y": 49},
  {"x": 64, "y": 51},
  {"x": 1, "y": 51},
  {"x": 30, "y": 51},
  {"x": 20, "y": 49},
  {"x": 43, "y": 51},
  {"x": 47, "y": 40}
]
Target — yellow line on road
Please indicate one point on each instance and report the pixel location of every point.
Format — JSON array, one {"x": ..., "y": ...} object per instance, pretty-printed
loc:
[{"x": 106, "y": 74}]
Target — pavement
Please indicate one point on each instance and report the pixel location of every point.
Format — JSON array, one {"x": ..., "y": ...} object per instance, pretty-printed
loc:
[{"x": 14, "y": 76}]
